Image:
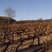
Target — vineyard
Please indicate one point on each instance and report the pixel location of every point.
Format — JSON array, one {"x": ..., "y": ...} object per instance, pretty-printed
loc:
[{"x": 25, "y": 36}]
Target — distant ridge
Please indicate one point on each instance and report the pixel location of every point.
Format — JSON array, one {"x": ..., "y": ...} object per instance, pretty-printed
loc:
[{"x": 4, "y": 18}]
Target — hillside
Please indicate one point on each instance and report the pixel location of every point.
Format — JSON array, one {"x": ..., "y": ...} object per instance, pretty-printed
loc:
[{"x": 22, "y": 34}]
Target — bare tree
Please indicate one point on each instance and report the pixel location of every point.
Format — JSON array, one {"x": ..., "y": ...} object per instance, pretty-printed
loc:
[{"x": 9, "y": 12}]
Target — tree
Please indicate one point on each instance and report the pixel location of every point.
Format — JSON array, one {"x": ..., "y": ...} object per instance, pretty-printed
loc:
[{"x": 9, "y": 12}]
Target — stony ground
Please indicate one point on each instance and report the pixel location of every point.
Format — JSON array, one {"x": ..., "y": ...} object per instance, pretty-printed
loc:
[{"x": 25, "y": 44}]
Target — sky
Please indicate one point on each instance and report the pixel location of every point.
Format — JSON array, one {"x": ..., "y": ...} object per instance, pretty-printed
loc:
[{"x": 28, "y": 9}]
